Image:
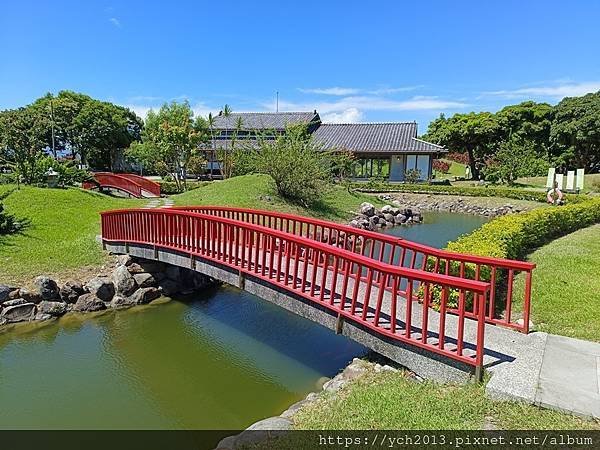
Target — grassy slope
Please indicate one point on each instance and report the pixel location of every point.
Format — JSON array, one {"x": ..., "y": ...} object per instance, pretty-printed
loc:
[
  {"x": 60, "y": 239},
  {"x": 456, "y": 170},
  {"x": 249, "y": 191},
  {"x": 566, "y": 285},
  {"x": 591, "y": 182},
  {"x": 426, "y": 406}
]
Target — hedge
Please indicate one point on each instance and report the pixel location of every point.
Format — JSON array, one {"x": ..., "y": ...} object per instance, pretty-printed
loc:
[
  {"x": 514, "y": 235},
  {"x": 467, "y": 191},
  {"x": 170, "y": 187}
]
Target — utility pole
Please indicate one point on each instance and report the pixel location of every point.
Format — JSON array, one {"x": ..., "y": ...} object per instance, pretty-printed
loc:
[
  {"x": 277, "y": 103},
  {"x": 52, "y": 122}
]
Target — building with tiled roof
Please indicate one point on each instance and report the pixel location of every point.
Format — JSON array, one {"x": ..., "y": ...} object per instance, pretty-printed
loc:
[{"x": 383, "y": 150}]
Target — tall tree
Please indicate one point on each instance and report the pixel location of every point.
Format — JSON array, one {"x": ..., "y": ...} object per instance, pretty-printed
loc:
[
  {"x": 530, "y": 122},
  {"x": 475, "y": 133},
  {"x": 175, "y": 133},
  {"x": 576, "y": 131}
]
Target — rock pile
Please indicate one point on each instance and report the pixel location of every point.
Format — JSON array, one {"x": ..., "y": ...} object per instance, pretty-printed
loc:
[
  {"x": 132, "y": 282},
  {"x": 369, "y": 218}
]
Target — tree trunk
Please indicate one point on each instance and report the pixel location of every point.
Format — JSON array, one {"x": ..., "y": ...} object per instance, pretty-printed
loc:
[{"x": 472, "y": 164}]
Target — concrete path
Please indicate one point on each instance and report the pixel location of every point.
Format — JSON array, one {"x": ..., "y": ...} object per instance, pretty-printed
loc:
[{"x": 159, "y": 203}]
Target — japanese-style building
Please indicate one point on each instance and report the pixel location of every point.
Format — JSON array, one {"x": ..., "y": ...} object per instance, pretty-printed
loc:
[{"x": 385, "y": 150}]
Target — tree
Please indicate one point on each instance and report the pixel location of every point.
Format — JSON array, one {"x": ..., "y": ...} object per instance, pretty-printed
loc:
[
  {"x": 515, "y": 157},
  {"x": 22, "y": 134},
  {"x": 529, "y": 121},
  {"x": 477, "y": 133},
  {"x": 300, "y": 168},
  {"x": 576, "y": 131},
  {"x": 175, "y": 134}
]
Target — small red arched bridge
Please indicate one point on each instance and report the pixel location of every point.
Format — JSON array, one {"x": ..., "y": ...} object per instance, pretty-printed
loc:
[
  {"x": 402, "y": 294},
  {"x": 129, "y": 183}
]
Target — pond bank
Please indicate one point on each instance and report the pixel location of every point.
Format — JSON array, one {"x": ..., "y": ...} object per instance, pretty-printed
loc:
[{"x": 484, "y": 206}]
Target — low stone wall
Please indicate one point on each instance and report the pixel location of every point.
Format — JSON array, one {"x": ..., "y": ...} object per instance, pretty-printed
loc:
[
  {"x": 276, "y": 426},
  {"x": 131, "y": 282},
  {"x": 372, "y": 219},
  {"x": 470, "y": 205}
]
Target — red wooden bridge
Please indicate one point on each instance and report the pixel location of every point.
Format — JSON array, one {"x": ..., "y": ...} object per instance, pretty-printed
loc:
[
  {"x": 433, "y": 301},
  {"x": 131, "y": 184}
]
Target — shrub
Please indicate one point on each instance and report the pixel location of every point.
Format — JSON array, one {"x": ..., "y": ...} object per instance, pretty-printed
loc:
[
  {"x": 412, "y": 175},
  {"x": 513, "y": 235},
  {"x": 171, "y": 188},
  {"x": 8, "y": 223},
  {"x": 301, "y": 169},
  {"x": 470, "y": 191},
  {"x": 441, "y": 166},
  {"x": 462, "y": 158}
]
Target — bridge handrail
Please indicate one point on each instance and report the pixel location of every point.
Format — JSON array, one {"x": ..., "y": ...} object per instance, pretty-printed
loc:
[
  {"x": 415, "y": 274},
  {"x": 223, "y": 239},
  {"x": 148, "y": 185},
  {"x": 116, "y": 181},
  {"x": 500, "y": 272}
]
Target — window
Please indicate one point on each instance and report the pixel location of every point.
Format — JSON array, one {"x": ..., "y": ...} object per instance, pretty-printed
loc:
[
  {"x": 371, "y": 167},
  {"x": 420, "y": 163}
]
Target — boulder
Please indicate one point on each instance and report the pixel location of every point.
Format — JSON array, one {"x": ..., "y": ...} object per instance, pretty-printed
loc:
[
  {"x": 15, "y": 293},
  {"x": 23, "y": 312},
  {"x": 122, "y": 302},
  {"x": 124, "y": 260},
  {"x": 4, "y": 293},
  {"x": 400, "y": 218},
  {"x": 145, "y": 280},
  {"x": 367, "y": 209},
  {"x": 47, "y": 288},
  {"x": 134, "y": 268},
  {"x": 13, "y": 302},
  {"x": 386, "y": 209},
  {"x": 389, "y": 217},
  {"x": 89, "y": 302},
  {"x": 54, "y": 309},
  {"x": 102, "y": 288},
  {"x": 124, "y": 282},
  {"x": 71, "y": 291},
  {"x": 144, "y": 295},
  {"x": 31, "y": 297}
]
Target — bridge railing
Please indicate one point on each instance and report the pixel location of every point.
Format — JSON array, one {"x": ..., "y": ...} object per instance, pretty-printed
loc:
[
  {"x": 106, "y": 179},
  {"x": 500, "y": 273},
  {"x": 351, "y": 285},
  {"x": 147, "y": 185}
]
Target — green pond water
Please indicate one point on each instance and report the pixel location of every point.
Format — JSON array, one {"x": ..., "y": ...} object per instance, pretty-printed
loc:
[{"x": 220, "y": 360}]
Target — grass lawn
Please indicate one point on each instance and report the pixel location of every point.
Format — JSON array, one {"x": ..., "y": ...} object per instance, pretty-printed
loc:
[
  {"x": 258, "y": 191},
  {"x": 456, "y": 170},
  {"x": 591, "y": 182},
  {"x": 60, "y": 240},
  {"x": 61, "y": 237},
  {"x": 566, "y": 285},
  {"x": 393, "y": 401}
]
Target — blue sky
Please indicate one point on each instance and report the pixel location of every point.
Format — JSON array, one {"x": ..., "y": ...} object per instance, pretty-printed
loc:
[{"x": 351, "y": 60}]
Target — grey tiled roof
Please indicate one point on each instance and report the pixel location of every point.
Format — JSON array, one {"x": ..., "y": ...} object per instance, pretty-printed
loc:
[
  {"x": 374, "y": 138},
  {"x": 264, "y": 120}
]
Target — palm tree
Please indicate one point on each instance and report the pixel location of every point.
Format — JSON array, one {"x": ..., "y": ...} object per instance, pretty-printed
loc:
[
  {"x": 211, "y": 126},
  {"x": 226, "y": 114}
]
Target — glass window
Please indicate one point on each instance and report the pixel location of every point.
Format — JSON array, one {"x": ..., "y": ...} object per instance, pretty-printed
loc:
[
  {"x": 423, "y": 166},
  {"x": 411, "y": 162}
]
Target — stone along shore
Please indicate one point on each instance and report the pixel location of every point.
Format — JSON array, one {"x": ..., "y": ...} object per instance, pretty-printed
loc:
[{"x": 132, "y": 282}]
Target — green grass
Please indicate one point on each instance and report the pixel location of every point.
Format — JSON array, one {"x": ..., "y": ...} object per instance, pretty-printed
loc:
[
  {"x": 566, "y": 285},
  {"x": 251, "y": 191},
  {"x": 427, "y": 406},
  {"x": 393, "y": 401},
  {"x": 591, "y": 182},
  {"x": 60, "y": 239},
  {"x": 456, "y": 170}
]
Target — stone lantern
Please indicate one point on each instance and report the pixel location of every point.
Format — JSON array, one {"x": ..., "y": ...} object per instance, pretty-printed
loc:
[{"x": 52, "y": 178}]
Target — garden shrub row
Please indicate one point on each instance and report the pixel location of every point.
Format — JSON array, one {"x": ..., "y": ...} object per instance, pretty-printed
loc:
[
  {"x": 514, "y": 235},
  {"x": 170, "y": 187},
  {"x": 468, "y": 191}
]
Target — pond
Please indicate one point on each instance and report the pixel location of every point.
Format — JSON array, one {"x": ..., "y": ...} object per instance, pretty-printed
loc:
[{"x": 221, "y": 360}]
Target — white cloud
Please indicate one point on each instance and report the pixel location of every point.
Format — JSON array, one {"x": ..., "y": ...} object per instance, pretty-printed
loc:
[
  {"x": 115, "y": 22},
  {"x": 350, "y": 115},
  {"x": 556, "y": 91},
  {"x": 330, "y": 91},
  {"x": 387, "y": 91},
  {"x": 369, "y": 103}
]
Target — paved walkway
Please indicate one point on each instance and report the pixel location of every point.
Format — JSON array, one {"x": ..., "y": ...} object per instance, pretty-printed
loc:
[{"x": 159, "y": 202}]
